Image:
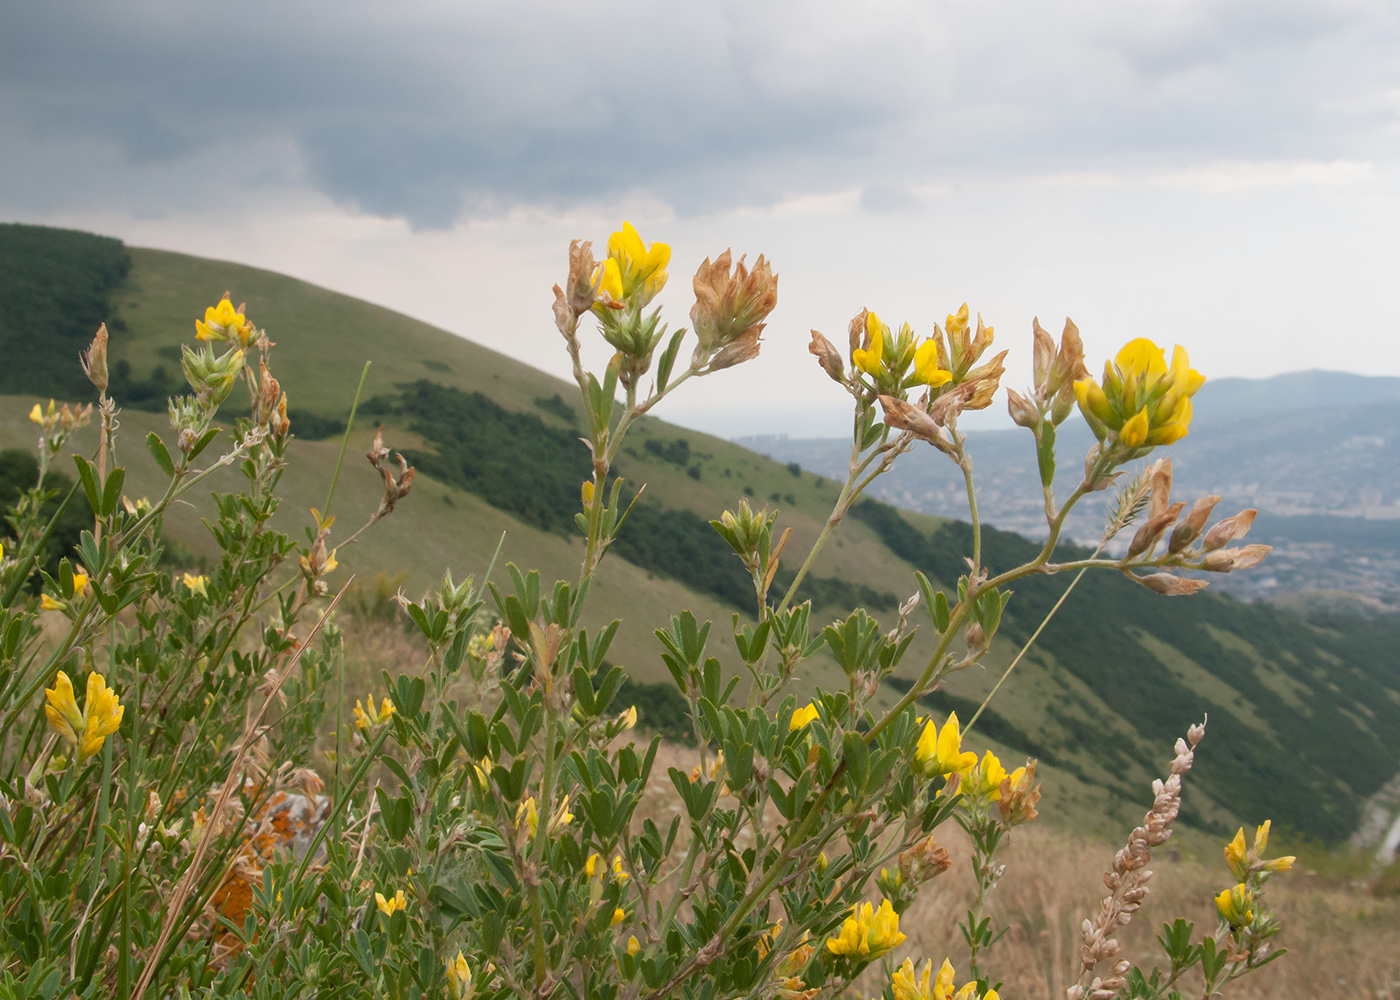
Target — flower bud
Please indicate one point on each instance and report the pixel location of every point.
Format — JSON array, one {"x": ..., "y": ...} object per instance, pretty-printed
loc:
[
  {"x": 1022, "y": 410},
  {"x": 828, "y": 357},
  {"x": 1229, "y": 529},
  {"x": 94, "y": 360},
  {"x": 1171, "y": 586},
  {"x": 908, "y": 417},
  {"x": 1188, "y": 530},
  {"x": 925, "y": 860}
]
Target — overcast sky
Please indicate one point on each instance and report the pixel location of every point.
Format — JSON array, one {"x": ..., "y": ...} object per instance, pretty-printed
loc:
[{"x": 1219, "y": 174}]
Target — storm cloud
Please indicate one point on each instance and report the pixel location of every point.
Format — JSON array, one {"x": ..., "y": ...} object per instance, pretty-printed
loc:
[{"x": 437, "y": 112}]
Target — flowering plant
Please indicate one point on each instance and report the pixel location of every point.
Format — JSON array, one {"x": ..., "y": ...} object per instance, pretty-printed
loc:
[{"x": 216, "y": 820}]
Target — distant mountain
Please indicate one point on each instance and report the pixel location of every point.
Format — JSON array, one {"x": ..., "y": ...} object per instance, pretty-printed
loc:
[{"x": 1317, "y": 453}]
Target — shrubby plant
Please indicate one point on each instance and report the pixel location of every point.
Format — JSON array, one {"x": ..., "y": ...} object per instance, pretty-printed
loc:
[{"x": 215, "y": 818}]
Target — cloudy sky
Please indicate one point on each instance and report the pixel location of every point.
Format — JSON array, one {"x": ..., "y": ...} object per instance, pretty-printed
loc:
[{"x": 1220, "y": 174}]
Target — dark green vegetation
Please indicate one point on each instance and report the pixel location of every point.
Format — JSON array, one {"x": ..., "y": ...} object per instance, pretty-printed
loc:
[
  {"x": 19, "y": 471},
  {"x": 477, "y": 444},
  {"x": 55, "y": 286},
  {"x": 1302, "y": 712},
  {"x": 1330, "y": 725}
]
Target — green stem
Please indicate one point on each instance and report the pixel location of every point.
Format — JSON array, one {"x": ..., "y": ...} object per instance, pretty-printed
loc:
[{"x": 345, "y": 439}]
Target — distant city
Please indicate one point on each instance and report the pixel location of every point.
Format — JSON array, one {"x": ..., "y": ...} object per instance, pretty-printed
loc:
[{"x": 1317, "y": 453}]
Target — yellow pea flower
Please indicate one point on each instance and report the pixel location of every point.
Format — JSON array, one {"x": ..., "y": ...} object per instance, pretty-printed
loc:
[
  {"x": 80, "y": 582},
  {"x": 562, "y": 816},
  {"x": 628, "y": 718},
  {"x": 195, "y": 584},
  {"x": 867, "y": 932},
  {"x": 459, "y": 976},
  {"x": 618, "y": 874},
  {"x": 1237, "y": 855},
  {"x": 609, "y": 278},
  {"x": 1243, "y": 860},
  {"x": 940, "y": 751},
  {"x": 223, "y": 322},
  {"x": 868, "y": 359},
  {"x": 530, "y": 812},
  {"x": 619, "y": 915},
  {"x": 593, "y": 866},
  {"x": 1143, "y": 399},
  {"x": 87, "y": 730},
  {"x": 926, "y": 369},
  {"x": 803, "y": 717},
  {"x": 389, "y": 907},
  {"x": 640, "y": 270},
  {"x": 633, "y": 945},
  {"x": 984, "y": 780},
  {"x": 367, "y": 718},
  {"x": 50, "y": 604},
  {"x": 1236, "y": 905}
]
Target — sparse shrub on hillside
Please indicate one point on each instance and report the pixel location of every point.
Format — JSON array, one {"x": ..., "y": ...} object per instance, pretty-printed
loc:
[{"x": 215, "y": 818}]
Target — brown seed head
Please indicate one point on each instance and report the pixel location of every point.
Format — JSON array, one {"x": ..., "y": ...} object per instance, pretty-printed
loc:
[
  {"x": 94, "y": 359},
  {"x": 1190, "y": 527},
  {"x": 729, "y": 306},
  {"x": 828, "y": 357},
  {"x": 1171, "y": 586}
]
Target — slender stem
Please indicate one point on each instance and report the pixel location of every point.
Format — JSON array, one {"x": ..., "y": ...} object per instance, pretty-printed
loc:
[
  {"x": 345, "y": 439},
  {"x": 1029, "y": 642},
  {"x": 966, "y": 464}
]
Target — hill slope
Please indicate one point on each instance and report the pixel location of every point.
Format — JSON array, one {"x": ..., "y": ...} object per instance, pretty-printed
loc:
[{"x": 1300, "y": 714}]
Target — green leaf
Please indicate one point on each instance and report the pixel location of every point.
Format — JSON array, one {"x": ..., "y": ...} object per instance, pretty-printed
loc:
[
  {"x": 159, "y": 452},
  {"x": 88, "y": 476},
  {"x": 1045, "y": 453},
  {"x": 668, "y": 360},
  {"x": 203, "y": 442},
  {"x": 112, "y": 491}
]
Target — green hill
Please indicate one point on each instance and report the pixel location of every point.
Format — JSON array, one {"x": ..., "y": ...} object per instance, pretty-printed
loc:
[{"x": 1303, "y": 715}]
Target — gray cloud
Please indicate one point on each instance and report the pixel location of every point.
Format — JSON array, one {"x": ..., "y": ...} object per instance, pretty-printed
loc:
[{"x": 431, "y": 111}]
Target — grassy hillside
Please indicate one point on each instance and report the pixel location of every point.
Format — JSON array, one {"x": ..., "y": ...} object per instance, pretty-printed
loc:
[{"x": 1299, "y": 712}]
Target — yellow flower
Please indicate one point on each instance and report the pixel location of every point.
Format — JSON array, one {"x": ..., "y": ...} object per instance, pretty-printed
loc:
[
  {"x": 940, "y": 751},
  {"x": 618, "y": 874},
  {"x": 195, "y": 584},
  {"x": 868, "y": 359},
  {"x": 910, "y": 985},
  {"x": 1143, "y": 400},
  {"x": 593, "y": 866},
  {"x": 1243, "y": 860},
  {"x": 633, "y": 945},
  {"x": 619, "y": 915},
  {"x": 223, "y": 322},
  {"x": 459, "y": 975},
  {"x": 984, "y": 780},
  {"x": 802, "y": 717},
  {"x": 641, "y": 270},
  {"x": 562, "y": 816},
  {"x": 389, "y": 907},
  {"x": 49, "y": 604},
  {"x": 609, "y": 278},
  {"x": 367, "y": 718},
  {"x": 867, "y": 932},
  {"x": 628, "y": 718},
  {"x": 80, "y": 582},
  {"x": 1236, "y": 905},
  {"x": 88, "y": 729},
  {"x": 36, "y": 414},
  {"x": 926, "y": 369},
  {"x": 530, "y": 812}
]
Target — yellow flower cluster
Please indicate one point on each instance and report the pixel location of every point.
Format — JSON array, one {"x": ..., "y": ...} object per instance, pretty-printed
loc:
[
  {"x": 390, "y": 906},
  {"x": 1143, "y": 400},
  {"x": 224, "y": 322},
  {"x": 887, "y": 357},
  {"x": 459, "y": 977},
  {"x": 1244, "y": 860},
  {"x": 1236, "y": 905},
  {"x": 367, "y": 718},
  {"x": 632, "y": 271},
  {"x": 87, "y": 730},
  {"x": 940, "y": 751},
  {"x": 908, "y": 984},
  {"x": 867, "y": 932}
]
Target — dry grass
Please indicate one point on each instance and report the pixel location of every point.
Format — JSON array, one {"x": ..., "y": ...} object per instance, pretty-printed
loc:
[{"x": 1342, "y": 942}]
